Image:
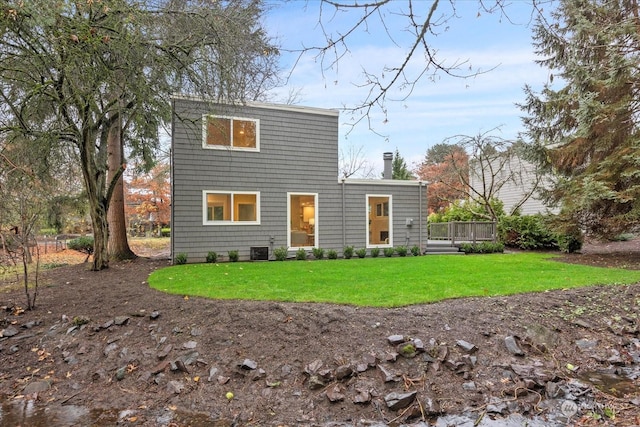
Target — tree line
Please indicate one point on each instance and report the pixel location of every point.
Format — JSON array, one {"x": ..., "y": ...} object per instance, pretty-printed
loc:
[{"x": 86, "y": 86}]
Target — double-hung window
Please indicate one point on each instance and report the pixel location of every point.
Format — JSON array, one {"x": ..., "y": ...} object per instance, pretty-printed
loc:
[
  {"x": 230, "y": 133},
  {"x": 223, "y": 207}
]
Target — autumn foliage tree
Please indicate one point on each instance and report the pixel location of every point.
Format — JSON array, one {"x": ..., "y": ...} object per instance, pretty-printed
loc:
[
  {"x": 148, "y": 198},
  {"x": 441, "y": 168}
]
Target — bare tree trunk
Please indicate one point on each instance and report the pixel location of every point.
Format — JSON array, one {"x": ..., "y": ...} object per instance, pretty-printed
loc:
[
  {"x": 100, "y": 234},
  {"x": 118, "y": 244},
  {"x": 94, "y": 180}
]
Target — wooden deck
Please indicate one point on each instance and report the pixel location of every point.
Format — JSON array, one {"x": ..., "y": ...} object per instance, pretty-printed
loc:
[{"x": 446, "y": 237}]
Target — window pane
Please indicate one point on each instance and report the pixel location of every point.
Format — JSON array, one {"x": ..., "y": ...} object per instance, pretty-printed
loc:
[
  {"x": 303, "y": 217},
  {"x": 245, "y": 207},
  {"x": 218, "y": 207},
  {"x": 244, "y": 134},
  {"x": 218, "y": 131}
]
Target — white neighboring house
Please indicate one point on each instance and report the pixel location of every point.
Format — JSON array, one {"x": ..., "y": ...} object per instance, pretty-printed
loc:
[{"x": 512, "y": 180}]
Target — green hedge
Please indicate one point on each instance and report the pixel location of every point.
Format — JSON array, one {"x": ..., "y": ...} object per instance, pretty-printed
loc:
[
  {"x": 482, "y": 248},
  {"x": 82, "y": 244},
  {"x": 538, "y": 232}
]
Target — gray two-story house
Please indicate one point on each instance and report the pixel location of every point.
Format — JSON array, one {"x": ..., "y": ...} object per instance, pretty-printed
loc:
[{"x": 255, "y": 177}]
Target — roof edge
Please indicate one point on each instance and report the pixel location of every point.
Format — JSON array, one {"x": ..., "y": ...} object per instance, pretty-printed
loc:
[
  {"x": 265, "y": 105},
  {"x": 399, "y": 182}
]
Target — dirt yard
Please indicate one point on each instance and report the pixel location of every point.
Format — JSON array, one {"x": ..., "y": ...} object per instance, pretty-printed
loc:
[{"x": 102, "y": 348}]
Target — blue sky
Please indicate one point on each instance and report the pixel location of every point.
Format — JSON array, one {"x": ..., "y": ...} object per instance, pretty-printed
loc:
[{"x": 438, "y": 107}]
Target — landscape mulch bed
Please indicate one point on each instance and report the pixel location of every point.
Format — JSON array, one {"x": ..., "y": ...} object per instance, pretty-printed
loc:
[{"x": 105, "y": 343}]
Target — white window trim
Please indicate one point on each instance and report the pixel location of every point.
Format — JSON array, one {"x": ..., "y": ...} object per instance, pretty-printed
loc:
[
  {"x": 230, "y": 222},
  {"x": 366, "y": 213},
  {"x": 315, "y": 218},
  {"x": 224, "y": 147}
]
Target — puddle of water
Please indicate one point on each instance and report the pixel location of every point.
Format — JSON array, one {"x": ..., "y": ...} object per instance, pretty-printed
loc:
[
  {"x": 513, "y": 420},
  {"x": 612, "y": 384},
  {"x": 28, "y": 413}
]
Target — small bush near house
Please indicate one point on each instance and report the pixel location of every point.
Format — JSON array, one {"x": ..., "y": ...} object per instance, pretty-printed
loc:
[
  {"x": 301, "y": 254},
  {"x": 318, "y": 253},
  {"x": 165, "y": 232},
  {"x": 361, "y": 253},
  {"x": 402, "y": 250},
  {"x": 415, "y": 250},
  {"x": 482, "y": 248},
  {"x": 347, "y": 252},
  {"x": 375, "y": 252},
  {"x": 280, "y": 253},
  {"x": 234, "y": 256},
  {"x": 332, "y": 254},
  {"x": 181, "y": 258},
  {"x": 388, "y": 252},
  {"x": 212, "y": 257}
]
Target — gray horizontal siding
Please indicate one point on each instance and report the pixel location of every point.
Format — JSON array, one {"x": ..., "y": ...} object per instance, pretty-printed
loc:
[
  {"x": 405, "y": 204},
  {"x": 298, "y": 154}
]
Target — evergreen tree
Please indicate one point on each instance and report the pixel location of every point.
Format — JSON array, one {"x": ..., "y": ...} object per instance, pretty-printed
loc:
[
  {"x": 399, "y": 168},
  {"x": 586, "y": 131}
]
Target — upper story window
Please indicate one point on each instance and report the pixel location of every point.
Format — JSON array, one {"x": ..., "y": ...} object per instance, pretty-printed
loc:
[
  {"x": 222, "y": 207},
  {"x": 231, "y": 133}
]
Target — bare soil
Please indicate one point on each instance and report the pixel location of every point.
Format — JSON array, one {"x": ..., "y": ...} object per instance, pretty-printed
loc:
[{"x": 102, "y": 348}]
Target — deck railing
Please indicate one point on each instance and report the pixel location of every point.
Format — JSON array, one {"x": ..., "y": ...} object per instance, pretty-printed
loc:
[{"x": 463, "y": 231}]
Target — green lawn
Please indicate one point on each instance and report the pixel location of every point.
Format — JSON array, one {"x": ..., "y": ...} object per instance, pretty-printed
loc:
[{"x": 384, "y": 282}]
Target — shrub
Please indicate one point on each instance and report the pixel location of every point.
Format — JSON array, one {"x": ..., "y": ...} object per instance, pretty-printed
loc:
[
  {"x": 570, "y": 240},
  {"x": 482, "y": 248},
  {"x": 82, "y": 244},
  {"x": 526, "y": 232},
  {"x": 212, "y": 257},
  {"x": 375, "y": 252},
  {"x": 181, "y": 258},
  {"x": 234, "y": 256},
  {"x": 402, "y": 250},
  {"x": 280, "y": 253},
  {"x": 624, "y": 237},
  {"x": 361, "y": 252},
  {"x": 165, "y": 232},
  {"x": 332, "y": 254},
  {"x": 388, "y": 252},
  {"x": 347, "y": 252},
  {"x": 48, "y": 232},
  {"x": 318, "y": 253},
  {"x": 539, "y": 232},
  {"x": 415, "y": 250},
  {"x": 301, "y": 254}
]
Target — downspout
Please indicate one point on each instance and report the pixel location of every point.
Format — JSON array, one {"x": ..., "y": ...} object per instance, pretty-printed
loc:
[
  {"x": 420, "y": 214},
  {"x": 344, "y": 221},
  {"x": 172, "y": 181}
]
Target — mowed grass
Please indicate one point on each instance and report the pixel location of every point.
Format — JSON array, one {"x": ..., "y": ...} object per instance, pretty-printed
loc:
[{"x": 384, "y": 282}]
